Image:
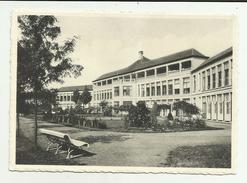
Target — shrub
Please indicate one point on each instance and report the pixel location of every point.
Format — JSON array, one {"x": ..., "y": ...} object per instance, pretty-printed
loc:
[
  {"x": 170, "y": 117},
  {"x": 102, "y": 125}
]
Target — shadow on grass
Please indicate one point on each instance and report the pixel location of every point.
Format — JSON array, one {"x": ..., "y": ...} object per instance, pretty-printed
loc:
[
  {"x": 104, "y": 139},
  {"x": 202, "y": 156},
  {"x": 26, "y": 154}
]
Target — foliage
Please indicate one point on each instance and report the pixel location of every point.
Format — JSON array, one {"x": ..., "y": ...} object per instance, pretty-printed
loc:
[
  {"x": 188, "y": 108},
  {"x": 85, "y": 97},
  {"x": 76, "y": 95},
  {"x": 138, "y": 115},
  {"x": 163, "y": 107},
  {"x": 42, "y": 60},
  {"x": 169, "y": 116}
]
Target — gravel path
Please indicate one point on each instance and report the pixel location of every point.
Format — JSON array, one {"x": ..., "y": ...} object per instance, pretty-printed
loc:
[{"x": 130, "y": 149}]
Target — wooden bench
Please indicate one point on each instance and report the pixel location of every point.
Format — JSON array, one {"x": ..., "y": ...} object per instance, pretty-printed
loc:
[{"x": 63, "y": 143}]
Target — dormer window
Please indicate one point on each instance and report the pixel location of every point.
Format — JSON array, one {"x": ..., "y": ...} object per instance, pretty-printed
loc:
[
  {"x": 150, "y": 72},
  {"x": 186, "y": 65},
  {"x": 173, "y": 67}
]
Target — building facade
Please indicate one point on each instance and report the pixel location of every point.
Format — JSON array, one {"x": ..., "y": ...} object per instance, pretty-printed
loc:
[
  {"x": 64, "y": 95},
  {"x": 187, "y": 75},
  {"x": 212, "y": 86}
]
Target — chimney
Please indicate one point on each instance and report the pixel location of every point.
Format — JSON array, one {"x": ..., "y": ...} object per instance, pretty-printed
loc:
[{"x": 140, "y": 53}]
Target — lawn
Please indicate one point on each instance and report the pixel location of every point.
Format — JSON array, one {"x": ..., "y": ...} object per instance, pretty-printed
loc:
[
  {"x": 26, "y": 153},
  {"x": 203, "y": 156}
]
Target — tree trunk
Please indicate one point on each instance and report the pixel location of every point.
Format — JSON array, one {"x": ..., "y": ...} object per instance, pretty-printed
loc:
[
  {"x": 18, "y": 124},
  {"x": 35, "y": 119}
]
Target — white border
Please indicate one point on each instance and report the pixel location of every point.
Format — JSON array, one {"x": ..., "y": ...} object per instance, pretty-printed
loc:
[{"x": 111, "y": 169}]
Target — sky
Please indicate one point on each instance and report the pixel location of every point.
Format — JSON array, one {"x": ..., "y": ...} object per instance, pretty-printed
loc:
[{"x": 108, "y": 43}]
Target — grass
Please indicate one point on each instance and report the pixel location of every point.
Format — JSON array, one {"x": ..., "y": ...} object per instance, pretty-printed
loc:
[
  {"x": 26, "y": 153},
  {"x": 203, "y": 156}
]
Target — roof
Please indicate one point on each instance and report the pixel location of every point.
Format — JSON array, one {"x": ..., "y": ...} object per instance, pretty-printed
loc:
[
  {"x": 146, "y": 63},
  {"x": 73, "y": 88},
  {"x": 227, "y": 52}
]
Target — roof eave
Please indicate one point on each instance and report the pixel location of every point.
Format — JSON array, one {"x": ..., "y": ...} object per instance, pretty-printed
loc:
[{"x": 194, "y": 56}]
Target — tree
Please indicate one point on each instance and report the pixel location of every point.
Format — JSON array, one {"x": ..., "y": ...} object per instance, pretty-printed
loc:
[
  {"x": 185, "y": 107},
  {"x": 75, "y": 96},
  {"x": 86, "y": 97},
  {"x": 46, "y": 60}
]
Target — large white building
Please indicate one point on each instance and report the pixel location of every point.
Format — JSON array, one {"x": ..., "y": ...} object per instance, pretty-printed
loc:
[
  {"x": 64, "y": 95},
  {"x": 187, "y": 75}
]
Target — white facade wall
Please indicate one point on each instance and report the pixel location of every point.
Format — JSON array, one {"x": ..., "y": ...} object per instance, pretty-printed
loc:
[
  {"x": 176, "y": 78},
  {"x": 215, "y": 99},
  {"x": 64, "y": 99}
]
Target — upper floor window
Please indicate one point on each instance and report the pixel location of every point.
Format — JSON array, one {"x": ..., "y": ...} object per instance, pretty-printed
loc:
[
  {"x": 150, "y": 72},
  {"x": 186, "y": 65},
  {"x": 116, "y": 91},
  {"x": 208, "y": 78},
  {"x": 161, "y": 70},
  {"x": 99, "y": 83},
  {"x": 214, "y": 77},
  {"x": 194, "y": 83},
  {"x": 103, "y": 82},
  {"x": 147, "y": 90},
  {"x": 173, "y": 67},
  {"x": 176, "y": 81},
  {"x": 142, "y": 90},
  {"x": 126, "y": 90},
  {"x": 152, "y": 90},
  {"x": 109, "y": 81},
  {"x": 140, "y": 74},
  {"x": 186, "y": 85},
  {"x": 226, "y": 72},
  {"x": 219, "y": 76},
  {"x": 203, "y": 81}
]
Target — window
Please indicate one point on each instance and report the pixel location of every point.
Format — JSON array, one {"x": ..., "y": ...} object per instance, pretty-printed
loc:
[
  {"x": 116, "y": 91},
  {"x": 164, "y": 92},
  {"x": 226, "y": 70},
  {"x": 109, "y": 81},
  {"x": 133, "y": 76},
  {"x": 61, "y": 98},
  {"x": 194, "y": 83},
  {"x": 153, "y": 90},
  {"x": 99, "y": 83},
  {"x": 97, "y": 96},
  {"x": 158, "y": 88},
  {"x": 103, "y": 82},
  {"x": 140, "y": 74},
  {"x": 228, "y": 107},
  {"x": 143, "y": 90},
  {"x": 126, "y": 90},
  {"x": 173, "y": 67},
  {"x": 186, "y": 65},
  {"x": 148, "y": 91},
  {"x": 150, "y": 72},
  {"x": 68, "y": 98},
  {"x": 215, "y": 108},
  {"x": 170, "y": 89},
  {"x": 110, "y": 95},
  {"x": 176, "y": 91},
  {"x": 176, "y": 81},
  {"x": 203, "y": 81},
  {"x": 186, "y": 85},
  {"x": 209, "y": 81},
  {"x": 116, "y": 104},
  {"x": 214, "y": 77},
  {"x": 161, "y": 70},
  {"x": 125, "y": 103},
  {"x": 219, "y": 76},
  {"x": 64, "y": 98}
]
